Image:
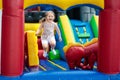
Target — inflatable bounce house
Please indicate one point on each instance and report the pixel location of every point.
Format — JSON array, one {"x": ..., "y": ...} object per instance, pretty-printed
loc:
[{"x": 83, "y": 54}]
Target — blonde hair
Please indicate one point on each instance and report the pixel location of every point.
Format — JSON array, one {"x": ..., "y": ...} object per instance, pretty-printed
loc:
[{"x": 44, "y": 18}]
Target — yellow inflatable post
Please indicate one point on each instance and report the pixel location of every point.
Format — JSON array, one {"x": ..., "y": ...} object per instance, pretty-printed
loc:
[{"x": 32, "y": 48}]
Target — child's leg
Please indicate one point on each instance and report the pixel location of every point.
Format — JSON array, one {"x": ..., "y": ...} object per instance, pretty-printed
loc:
[
  {"x": 45, "y": 47},
  {"x": 52, "y": 42}
]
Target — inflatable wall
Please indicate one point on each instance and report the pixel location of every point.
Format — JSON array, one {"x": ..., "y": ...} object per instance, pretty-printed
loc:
[
  {"x": 0, "y": 36},
  {"x": 109, "y": 40},
  {"x": 12, "y": 58},
  {"x": 12, "y": 38}
]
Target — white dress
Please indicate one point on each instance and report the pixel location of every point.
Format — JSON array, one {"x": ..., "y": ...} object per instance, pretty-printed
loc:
[{"x": 48, "y": 31}]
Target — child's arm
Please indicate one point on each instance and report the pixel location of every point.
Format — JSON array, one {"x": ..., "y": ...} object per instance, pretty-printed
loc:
[
  {"x": 39, "y": 29},
  {"x": 58, "y": 31}
]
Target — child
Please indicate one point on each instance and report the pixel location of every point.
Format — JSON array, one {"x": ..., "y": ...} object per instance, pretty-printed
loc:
[{"x": 49, "y": 26}]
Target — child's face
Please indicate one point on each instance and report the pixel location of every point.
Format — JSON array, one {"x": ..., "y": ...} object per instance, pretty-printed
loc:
[{"x": 50, "y": 17}]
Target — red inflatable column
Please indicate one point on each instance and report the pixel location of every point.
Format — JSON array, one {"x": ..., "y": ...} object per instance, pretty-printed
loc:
[
  {"x": 112, "y": 4},
  {"x": 109, "y": 38},
  {"x": 12, "y": 38},
  {"x": 0, "y": 37}
]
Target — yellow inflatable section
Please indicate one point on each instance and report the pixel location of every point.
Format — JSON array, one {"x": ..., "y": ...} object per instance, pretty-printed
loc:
[
  {"x": 31, "y": 26},
  {"x": 63, "y": 4},
  {"x": 96, "y": 19},
  {"x": 67, "y": 29},
  {"x": 0, "y": 4},
  {"x": 32, "y": 49}
]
